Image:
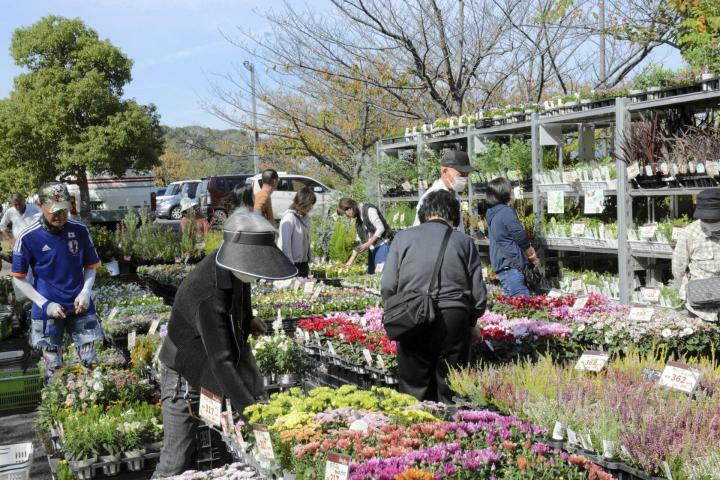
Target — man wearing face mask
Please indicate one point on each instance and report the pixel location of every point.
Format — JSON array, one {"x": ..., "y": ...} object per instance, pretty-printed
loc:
[
  {"x": 454, "y": 171},
  {"x": 206, "y": 344},
  {"x": 697, "y": 252}
]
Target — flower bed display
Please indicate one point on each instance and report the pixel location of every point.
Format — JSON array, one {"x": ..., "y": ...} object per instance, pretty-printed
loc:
[
  {"x": 128, "y": 306},
  {"x": 297, "y": 304},
  {"x": 369, "y": 283},
  {"x": 389, "y": 435},
  {"x": 336, "y": 270},
  {"x": 621, "y": 413},
  {"x": 279, "y": 359},
  {"x": 166, "y": 274}
]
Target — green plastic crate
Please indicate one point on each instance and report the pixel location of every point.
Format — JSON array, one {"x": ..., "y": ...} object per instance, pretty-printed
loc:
[{"x": 19, "y": 390}]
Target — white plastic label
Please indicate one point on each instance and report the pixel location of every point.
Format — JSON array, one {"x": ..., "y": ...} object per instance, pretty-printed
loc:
[
  {"x": 641, "y": 314},
  {"x": 586, "y": 440},
  {"x": 331, "y": 348},
  {"x": 308, "y": 288},
  {"x": 576, "y": 285},
  {"x": 571, "y": 436},
  {"x": 306, "y": 335},
  {"x": 337, "y": 467},
  {"x": 368, "y": 356},
  {"x": 210, "y": 407},
  {"x": 580, "y": 302},
  {"x": 712, "y": 168},
  {"x": 651, "y": 294},
  {"x": 608, "y": 449},
  {"x": 558, "y": 431},
  {"x": 282, "y": 284},
  {"x": 592, "y": 361},
  {"x": 380, "y": 362},
  {"x": 554, "y": 293},
  {"x": 154, "y": 326},
  {"x": 484, "y": 273},
  {"x": 578, "y": 229},
  {"x": 633, "y": 170},
  {"x": 113, "y": 314},
  {"x": 263, "y": 442},
  {"x": 647, "y": 232},
  {"x": 317, "y": 337},
  {"x": 680, "y": 377},
  {"x": 132, "y": 338},
  {"x": 316, "y": 293},
  {"x": 668, "y": 471},
  {"x": 569, "y": 176},
  {"x": 649, "y": 170}
]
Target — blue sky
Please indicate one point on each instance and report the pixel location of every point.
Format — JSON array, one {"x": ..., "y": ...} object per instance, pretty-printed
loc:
[{"x": 176, "y": 44}]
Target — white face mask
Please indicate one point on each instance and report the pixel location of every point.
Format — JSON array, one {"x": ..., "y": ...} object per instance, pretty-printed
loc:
[
  {"x": 711, "y": 227},
  {"x": 459, "y": 183},
  {"x": 244, "y": 277}
]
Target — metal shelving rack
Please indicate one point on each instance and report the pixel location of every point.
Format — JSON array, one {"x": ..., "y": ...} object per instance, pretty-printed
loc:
[{"x": 541, "y": 128}]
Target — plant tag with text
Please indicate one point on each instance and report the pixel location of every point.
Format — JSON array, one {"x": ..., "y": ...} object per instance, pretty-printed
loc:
[
  {"x": 680, "y": 377},
  {"x": 368, "y": 357},
  {"x": 210, "y": 407},
  {"x": 580, "y": 302},
  {"x": 647, "y": 232},
  {"x": 571, "y": 436},
  {"x": 641, "y": 314},
  {"x": 132, "y": 338},
  {"x": 554, "y": 293},
  {"x": 592, "y": 361},
  {"x": 578, "y": 229},
  {"x": 379, "y": 267},
  {"x": 651, "y": 294},
  {"x": 380, "y": 362},
  {"x": 308, "y": 288},
  {"x": 154, "y": 326},
  {"x": 337, "y": 467},
  {"x": 263, "y": 441},
  {"x": 633, "y": 170},
  {"x": 331, "y": 347},
  {"x": 558, "y": 431}
]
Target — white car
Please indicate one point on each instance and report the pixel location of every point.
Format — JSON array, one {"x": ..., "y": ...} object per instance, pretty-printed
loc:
[{"x": 289, "y": 185}]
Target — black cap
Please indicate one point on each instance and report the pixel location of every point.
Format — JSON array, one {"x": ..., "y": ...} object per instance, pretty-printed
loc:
[
  {"x": 458, "y": 160},
  {"x": 708, "y": 205}
]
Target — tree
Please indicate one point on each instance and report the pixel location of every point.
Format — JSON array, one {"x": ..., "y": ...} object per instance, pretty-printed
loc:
[
  {"x": 174, "y": 166},
  {"x": 699, "y": 32},
  {"x": 66, "y": 116}
]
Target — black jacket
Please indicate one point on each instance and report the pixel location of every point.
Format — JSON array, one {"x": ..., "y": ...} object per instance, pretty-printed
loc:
[
  {"x": 207, "y": 334},
  {"x": 411, "y": 260}
]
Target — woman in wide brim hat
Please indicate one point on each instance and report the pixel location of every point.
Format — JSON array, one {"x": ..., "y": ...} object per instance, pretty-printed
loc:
[{"x": 206, "y": 345}]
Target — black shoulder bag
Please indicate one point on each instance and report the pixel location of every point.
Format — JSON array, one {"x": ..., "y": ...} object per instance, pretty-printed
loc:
[
  {"x": 532, "y": 274},
  {"x": 410, "y": 311}
]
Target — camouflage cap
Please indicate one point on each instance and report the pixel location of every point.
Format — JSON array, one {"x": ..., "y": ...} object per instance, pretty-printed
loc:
[{"x": 55, "y": 195}]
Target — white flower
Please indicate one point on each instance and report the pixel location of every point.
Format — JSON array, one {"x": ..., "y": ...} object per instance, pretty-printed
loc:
[
  {"x": 688, "y": 331},
  {"x": 97, "y": 386},
  {"x": 581, "y": 328},
  {"x": 666, "y": 333}
]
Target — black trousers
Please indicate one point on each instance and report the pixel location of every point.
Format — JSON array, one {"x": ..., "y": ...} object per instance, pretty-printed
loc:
[
  {"x": 303, "y": 269},
  {"x": 425, "y": 358}
]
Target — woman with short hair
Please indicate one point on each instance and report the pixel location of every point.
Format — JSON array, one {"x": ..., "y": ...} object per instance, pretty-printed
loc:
[
  {"x": 294, "y": 238},
  {"x": 373, "y": 231},
  {"x": 425, "y": 356},
  {"x": 510, "y": 248}
]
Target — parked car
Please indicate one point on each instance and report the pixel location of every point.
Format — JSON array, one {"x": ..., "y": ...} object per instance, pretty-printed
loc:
[
  {"x": 169, "y": 204},
  {"x": 213, "y": 195},
  {"x": 111, "y": 197},
  {"x": 289, "y": 185},
  {"x": 160, "y": 191}
]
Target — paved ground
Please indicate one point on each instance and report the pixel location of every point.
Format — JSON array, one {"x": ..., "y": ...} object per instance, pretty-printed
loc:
[{"x": 19, "y": 428}]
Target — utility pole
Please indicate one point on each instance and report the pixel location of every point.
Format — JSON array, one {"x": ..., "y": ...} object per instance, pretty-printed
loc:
[
  {"x": 601, "y": 7},
  {"x": 256, "y": 161}
]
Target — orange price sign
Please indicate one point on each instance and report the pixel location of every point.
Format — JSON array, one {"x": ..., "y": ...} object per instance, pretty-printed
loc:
[
  {"x": 210, "y": 407},
  {"x": 263, "y": 441}
]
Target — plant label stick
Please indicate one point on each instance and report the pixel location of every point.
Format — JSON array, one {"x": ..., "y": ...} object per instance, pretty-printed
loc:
[
  {"x": 647, "y": 232},
  {"x": 580, "y": 302},
  {"x": 210, "y": 407},
  {"x": 263, "y": 441},
  {"x": 558, "y": 431},
  {"x": 154, "y": 326},
  {"x": 641, "y": 314},
  {"x": 554, "y": 293},
  {"x": 337, "y": 467},
  {"x": 578, "y": 229},
  {"x": 308, "y": 288},
  {"x": 368, "y": 357},
  {"x": 571, "y": 436},
  {"x": 592, "y": 361},
  {"x": 651, "y": 294},
  {"x": 678, "y": 376},
  {"x": 132, "y": 338},
  {"x": 633, "y": 170},
  {"x": 113, "y": 314}
]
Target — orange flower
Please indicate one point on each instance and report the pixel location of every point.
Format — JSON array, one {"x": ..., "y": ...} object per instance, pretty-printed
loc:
[
  {"x": 522, "y": 463},
  {"x": 414, "y": 474}
]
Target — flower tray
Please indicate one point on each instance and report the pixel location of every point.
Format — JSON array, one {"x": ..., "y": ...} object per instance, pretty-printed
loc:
[
  {"x": 595, "y": 243},
  {"x": 560, "y": 241},
  {"x": 585, "y": 186},
  {"x": 555, "y": 187}
]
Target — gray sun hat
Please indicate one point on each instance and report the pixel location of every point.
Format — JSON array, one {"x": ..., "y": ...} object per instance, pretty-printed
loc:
[{"x": 249, "y": 248}]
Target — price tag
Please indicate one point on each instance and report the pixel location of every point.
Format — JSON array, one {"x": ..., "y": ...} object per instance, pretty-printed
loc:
[
  {"x": 484, "y": 273},
  {"x": 306, "y": 335},
  {"x": 569, "y": 176},
  {"x": 368, "y": 357},
  {"x": 586, "y": 440},
  {"x": 132, "y": 338},
  {"x": 380, "y": 362},
  {"x": 680, "y": 377},
  {"x": 649, "y": 170},
  {"x": 337, "y": 467},
  {"x": 571, "y": 436},
  {"x": 651, "y": 294},
  {"x": 578, "y": 229},
  {"x": 225, "y": 423},
  {"x": 282, "y": 284},
  {"x": 407, "y": 186},
  {"x": 379, "y": 267},
  {"x": 113, "y": 314},
  {"x": 633, "y": 170},
  {"x": 676, "y": 232},
  {"x": 331, "y": 348},
  {"x": 592, "y": 361},
  {"x": 263, "y": 441},
  {"x": 648, "y": 231},
  {"x": 308, "y": 288},
  {"x": 576, "y": 285},
  {"x": 558, "y": 431},
  {"x": 210, "y": 407},
  {"x": 229, "y": 412},
  {"x": 554, "y": 293},
  {"x": 625, "y": 451},
  {"x": 580, "y": 302},
  {"x": 317, "y": 337},
  {"x": 154, "y": 326},
  {"x": 641, "y": 314}
]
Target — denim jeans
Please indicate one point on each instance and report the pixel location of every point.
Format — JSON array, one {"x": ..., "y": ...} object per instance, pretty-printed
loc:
[
  {"x": 49, "y": 337},
  {"x": 377, "y": 256},
  {"x": 513, "y": 282},
  {"x": 179, "y": 427}
]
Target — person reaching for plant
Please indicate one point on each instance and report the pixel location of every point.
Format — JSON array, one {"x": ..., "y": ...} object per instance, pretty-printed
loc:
[{"x": 373, "y": 231}]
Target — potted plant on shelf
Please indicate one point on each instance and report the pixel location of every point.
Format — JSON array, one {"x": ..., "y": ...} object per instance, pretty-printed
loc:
[
  {"x": 132, "y": 435},
  {"x": 81, "y": 447}
]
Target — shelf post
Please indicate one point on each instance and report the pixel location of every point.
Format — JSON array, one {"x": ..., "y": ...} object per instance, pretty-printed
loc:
[
  {"x": 536, "y": 150},
  {"x": 471, "y": 154},
  {"x": 624, "y": 202}
]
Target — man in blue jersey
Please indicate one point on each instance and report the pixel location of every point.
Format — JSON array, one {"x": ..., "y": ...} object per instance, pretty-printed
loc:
[{"x": 63, "y": 260}]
